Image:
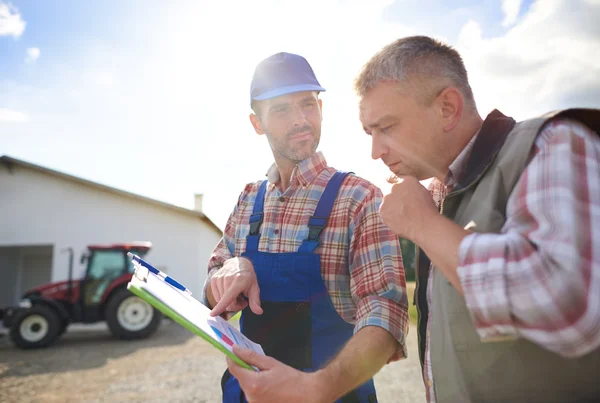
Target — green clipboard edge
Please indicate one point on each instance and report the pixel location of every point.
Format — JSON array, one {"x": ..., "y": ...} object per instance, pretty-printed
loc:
[{"x": 158, "y": 304}]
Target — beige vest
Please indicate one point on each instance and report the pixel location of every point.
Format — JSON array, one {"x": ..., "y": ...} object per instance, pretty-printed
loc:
[{"x": 464, "y": 368}]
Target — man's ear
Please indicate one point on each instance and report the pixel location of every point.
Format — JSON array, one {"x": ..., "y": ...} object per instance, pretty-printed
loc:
[
  {"x": 321, "y": 108},
  {"x": 451, "y": 103},
  {"x": 256, "y": 124}
]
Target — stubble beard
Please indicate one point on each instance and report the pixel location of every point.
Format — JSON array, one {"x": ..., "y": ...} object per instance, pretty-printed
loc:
[{"x": 298, "y": 152}]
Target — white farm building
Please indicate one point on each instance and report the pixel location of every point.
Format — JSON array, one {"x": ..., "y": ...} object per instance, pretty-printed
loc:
[{"x": 45, "y": 211}]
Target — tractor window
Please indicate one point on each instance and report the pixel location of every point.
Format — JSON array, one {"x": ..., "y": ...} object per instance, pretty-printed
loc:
[
  {"x": 109, "y": 263},
  {"x": 105, "y": 266}
]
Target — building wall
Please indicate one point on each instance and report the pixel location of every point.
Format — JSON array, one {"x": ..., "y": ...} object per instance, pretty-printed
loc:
[{"x": 38, "y": 208}]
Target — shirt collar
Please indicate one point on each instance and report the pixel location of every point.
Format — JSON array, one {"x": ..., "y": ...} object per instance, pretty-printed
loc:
[
  {"x": 456, "y": 168},
  {"x": 304, "y": 173}
]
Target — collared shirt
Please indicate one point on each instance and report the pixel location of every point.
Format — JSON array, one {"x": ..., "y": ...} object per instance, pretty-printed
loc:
[
  {"x": 361, "y": 260},
  {"x": 539, "y": 277},
  {"x": 456, "y": 169}
]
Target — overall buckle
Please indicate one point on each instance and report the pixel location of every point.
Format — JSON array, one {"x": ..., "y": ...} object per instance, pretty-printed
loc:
[
  {"x": 316, "y": 225},
  {"x": 255, "y": 221}
]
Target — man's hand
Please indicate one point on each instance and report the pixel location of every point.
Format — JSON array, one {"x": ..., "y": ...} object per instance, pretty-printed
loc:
[
  {"x": 232, "y": 284},
  {"x": 361, "y": 358},
  {"x": 409, "y": 211},
  {"x": 276, "y": 382},
  {"x": 407, "y": 208}
]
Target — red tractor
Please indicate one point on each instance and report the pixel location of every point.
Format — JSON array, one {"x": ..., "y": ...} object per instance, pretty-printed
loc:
[{"x": 46, "y": 311}]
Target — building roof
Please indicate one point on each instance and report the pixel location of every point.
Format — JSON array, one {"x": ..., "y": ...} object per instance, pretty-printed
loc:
[{"x": 9, "y": 162}]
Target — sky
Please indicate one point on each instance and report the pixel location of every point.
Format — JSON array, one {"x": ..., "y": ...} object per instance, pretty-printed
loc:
[{"x": 152, "y": 97}]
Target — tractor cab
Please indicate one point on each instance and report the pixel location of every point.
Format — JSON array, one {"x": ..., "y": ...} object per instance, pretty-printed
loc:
[
  {"x": 101, "y": 295},
  {"x": 107, "y": 267}
]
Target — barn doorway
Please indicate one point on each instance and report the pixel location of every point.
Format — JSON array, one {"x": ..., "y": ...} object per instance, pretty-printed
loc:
[{"x": 22, "y": 268}]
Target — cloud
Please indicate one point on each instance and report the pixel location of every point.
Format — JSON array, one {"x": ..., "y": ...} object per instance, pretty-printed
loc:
[
  {"x": 511, "y": 10},
  {"x": 9, "y": 115},
  {"x": 11, "y": 22},
  {"x": 184, "y": 100},
  {"x": 32, "y": 55},
  {"x": 550, "y": 59},
  {"x": 100, "y": 79}
]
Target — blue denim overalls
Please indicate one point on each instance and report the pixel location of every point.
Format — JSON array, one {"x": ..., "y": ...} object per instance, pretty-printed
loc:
[{"x": 299, "y": 325}]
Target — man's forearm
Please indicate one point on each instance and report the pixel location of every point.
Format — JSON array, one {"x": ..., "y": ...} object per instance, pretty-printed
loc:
[
  {"x": 210, "y": 297},
  {"x": 361, "y": 358},
  {"x": 440, "y": 240}
]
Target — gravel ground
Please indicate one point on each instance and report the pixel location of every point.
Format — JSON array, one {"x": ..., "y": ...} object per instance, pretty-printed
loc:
[{"x": 88, "y": 365}]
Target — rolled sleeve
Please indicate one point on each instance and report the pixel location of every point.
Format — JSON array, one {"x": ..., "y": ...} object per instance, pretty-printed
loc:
[
  {"x": 387, "y": 313},
  {"x": 378, "y": 283},
  {"x": 223, "y": 251}
]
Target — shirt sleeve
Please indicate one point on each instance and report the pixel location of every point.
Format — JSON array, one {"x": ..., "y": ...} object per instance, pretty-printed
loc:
[
  {"x": 377, "y": 279},
  {"x": 540, "y": 277},
  {"x": 224, "y": 250}
]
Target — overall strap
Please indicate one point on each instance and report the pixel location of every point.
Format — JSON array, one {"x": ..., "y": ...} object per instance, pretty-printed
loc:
[
  {"x": 318, "y": 221},
  {"x": 256, "y": 219}
]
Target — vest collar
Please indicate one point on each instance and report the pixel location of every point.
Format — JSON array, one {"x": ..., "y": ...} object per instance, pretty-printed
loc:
[{"x": 491, "y": 138}]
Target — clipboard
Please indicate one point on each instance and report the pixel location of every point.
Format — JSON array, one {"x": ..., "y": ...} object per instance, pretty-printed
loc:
[{"x": 175, "y": 301}]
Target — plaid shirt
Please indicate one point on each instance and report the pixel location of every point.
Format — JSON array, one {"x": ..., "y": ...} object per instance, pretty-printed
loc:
[
  {"x": 539, "y": 277},
  {"x": 361, "y": 261}
]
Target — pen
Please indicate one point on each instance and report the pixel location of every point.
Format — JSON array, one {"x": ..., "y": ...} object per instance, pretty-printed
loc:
[{"x": 165, "y": 277}]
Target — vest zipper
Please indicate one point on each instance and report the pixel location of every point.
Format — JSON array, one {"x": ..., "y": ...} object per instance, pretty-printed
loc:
[
  {"x": 416, "y": 300},
  {"x": 417, "y": 266},
  {"x": 417, "y": 286}
]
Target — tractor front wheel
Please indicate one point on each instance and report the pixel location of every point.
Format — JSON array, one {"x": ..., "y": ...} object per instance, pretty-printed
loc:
[
  {"x": 130, "y": 317},
  {"x": 38, "y": 326}
]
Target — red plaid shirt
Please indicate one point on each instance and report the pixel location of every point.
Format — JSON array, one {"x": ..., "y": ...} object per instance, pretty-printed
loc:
[
  {"x": 540, "y": 277},
  {"x": 361, "y": 261}
]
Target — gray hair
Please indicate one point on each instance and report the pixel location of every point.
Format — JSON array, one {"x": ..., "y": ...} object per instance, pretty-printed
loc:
[{"x": 420, "y": 61}]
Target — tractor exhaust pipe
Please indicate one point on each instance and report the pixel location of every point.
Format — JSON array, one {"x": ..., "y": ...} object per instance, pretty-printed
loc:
[{"x": 70, "y": 282}]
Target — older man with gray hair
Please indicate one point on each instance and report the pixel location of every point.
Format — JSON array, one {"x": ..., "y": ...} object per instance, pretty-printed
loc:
[{"x": 508, "y": 235}]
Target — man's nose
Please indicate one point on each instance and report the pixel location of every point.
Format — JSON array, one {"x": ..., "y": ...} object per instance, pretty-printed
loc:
[
  {"x": 298, "y": 116},
  {"x": 378, "y": 149}
]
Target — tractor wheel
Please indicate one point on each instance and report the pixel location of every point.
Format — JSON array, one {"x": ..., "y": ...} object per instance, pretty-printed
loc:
[
  {"x": 130, "y": 317},
  {"x": 38, "y": 326}
]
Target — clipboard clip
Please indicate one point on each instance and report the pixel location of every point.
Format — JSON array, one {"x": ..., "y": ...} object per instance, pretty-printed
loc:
[
  {"x": 140, "y": 272},
  {"x": 138, "y": 261}
]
